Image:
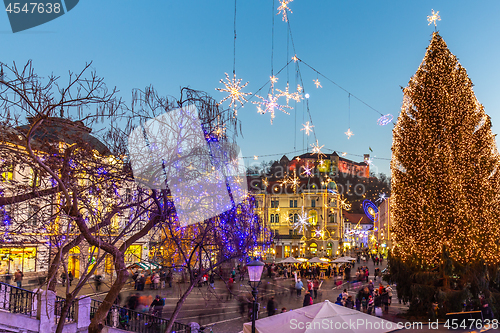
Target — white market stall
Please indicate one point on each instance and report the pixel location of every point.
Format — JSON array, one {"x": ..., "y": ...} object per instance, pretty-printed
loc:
[
  {"x": 290, "y": 260},
  {"x": 322, "y": 317}
]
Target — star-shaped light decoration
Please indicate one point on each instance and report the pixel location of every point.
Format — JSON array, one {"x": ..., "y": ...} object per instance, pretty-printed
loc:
[
  {"x": 344, "y": 204},
  {"x": 282, "y": 9},
  {"x": 381, "y": 197},
  {"x": 233, "y": 87},
  {"x": 307, "y": 128},
  {"x": 316, "y": 149},
  {"x": 293, "y": 182},
  {"x": 273, "y": 80},
  {"x": 344, "y": 154},
  {"x": 307, "y": 171},
  {"x": 433, "y": 18},
  {"x": 318, "y": 233},
  {"x": 265, "y": 182},
  {"x": 294, "y": 58},
  {"x": 295, "y": 95},
  {"x": 317, "y": 83},
  {"x": 349, "y": 134},
  {"x": 299, "y": 88},
  {"x": 270, "y": 105},
  {"x": 255, "y": 157},
  {"x": 302, "y": 222}
]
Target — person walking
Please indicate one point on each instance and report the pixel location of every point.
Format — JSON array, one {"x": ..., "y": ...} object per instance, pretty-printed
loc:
[
  {"x": 156, "y": 307},
  {"x": 271, "y": 307},
  {"x": 307, "y": 299},
  {"x": 298, "y": 287},
  {"x": 63, "y": 278},
  {"x": 70, "y": 278},
  {"x": 315, "y": 287},
  {"x": 18, "y": 277}
]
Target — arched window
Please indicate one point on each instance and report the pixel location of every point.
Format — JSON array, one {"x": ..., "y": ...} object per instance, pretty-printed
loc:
[
  {"x": 313, "y": 217},
  {"x": 295, "y": 218},
  {"x": 272, "y": 218},
  {"x": 277, "y": 218}
]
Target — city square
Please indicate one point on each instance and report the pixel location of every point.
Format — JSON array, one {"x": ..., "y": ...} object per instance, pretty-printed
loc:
[{"x": 249, "y": 166}]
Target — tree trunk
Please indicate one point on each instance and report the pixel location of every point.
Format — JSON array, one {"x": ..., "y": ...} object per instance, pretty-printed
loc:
[
  {"x": 64, "y": 311},
  {"x": 97, "y": 323},
  {"x": 178, "y": 307}
]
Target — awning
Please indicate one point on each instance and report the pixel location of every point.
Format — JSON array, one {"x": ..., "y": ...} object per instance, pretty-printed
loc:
[{"x": 145, "y": 266}]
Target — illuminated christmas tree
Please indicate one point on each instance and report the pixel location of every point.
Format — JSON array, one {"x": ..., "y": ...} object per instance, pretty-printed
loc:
[{"x": 445, "y": 175}]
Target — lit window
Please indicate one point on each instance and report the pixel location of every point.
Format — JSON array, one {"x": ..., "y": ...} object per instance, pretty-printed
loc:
[
  {"x": 277, "y": 218},
  {"x": 272, "y": 218}
]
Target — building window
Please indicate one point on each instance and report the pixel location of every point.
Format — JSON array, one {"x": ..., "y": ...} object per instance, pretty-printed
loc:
[
  {"x": 8, "y": 174},
  {"x": 333, "y": 218},
  {"x": 272, "y": 218},
  {"x": 33, "y": 215},
  {"x": 295, "y": 218},
  {"x": 256, "y": 203},
  {"x": 34, "y": 180},
  {"x": 291, "y": 203},
  {"x": 290, "y": 232},
  {"x": 313, "y": 217},
  {"x": 14, "y": 258},
  {"x": 277, "y": 218},
  {"x": 313, "y": 203}
]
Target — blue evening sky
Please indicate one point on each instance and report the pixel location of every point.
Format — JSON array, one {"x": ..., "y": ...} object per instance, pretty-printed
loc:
[{"x": 370, "y": 48}]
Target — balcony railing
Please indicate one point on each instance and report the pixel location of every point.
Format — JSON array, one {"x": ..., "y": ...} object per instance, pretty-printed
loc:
[
  {"x": 70, "y": 315},
  {"x": 17, "y": 300},
  {"x": 134, "y": 321}
]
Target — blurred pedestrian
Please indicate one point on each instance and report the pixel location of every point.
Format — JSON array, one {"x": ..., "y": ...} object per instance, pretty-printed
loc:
[
  {"x": 156, "y": 307},
  {"x": 70, "y": 278},
  {"x": 18, "y": 277},
  {"x": 271, "y": 307},
  {"x": 298, "y": 287},
  {"x": 307, "y": 299}
]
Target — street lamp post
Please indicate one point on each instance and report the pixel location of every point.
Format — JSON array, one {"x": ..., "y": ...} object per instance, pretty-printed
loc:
[{"x": 255, "y": 269}]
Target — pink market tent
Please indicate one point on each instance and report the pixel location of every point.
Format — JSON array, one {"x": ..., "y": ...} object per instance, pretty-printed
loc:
[{"x": 322, "y": 317}]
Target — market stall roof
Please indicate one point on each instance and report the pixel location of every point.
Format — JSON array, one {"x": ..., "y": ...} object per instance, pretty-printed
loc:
[
  {"x": 322, "y": 317},
  {"x": 290, "y": 260},
  {"x": 315, "y": 260},
  {"x": 341, "y": 259},
  {"x": 145, "y": 265}
]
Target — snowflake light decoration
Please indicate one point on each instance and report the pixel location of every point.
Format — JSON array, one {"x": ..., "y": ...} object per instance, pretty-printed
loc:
[
  {"x": 273, "y": 80},
  {"x": 293, "y": 182},
  {"x": 384, "y": 120},
  {"x": 433, "y": 18},
  {"x": 233, "y": 87},
  {"x": 307, "y": 128},
  {"x": 255, "y": 157},
  {"x": 317, "y": 83},
  {"x": 369, "y": 160},
  {"x": 344, "y": 154},
  {"x": 295, "y": 95},
  {"x": 318, "y": 233},
  {"x": 381, "y": 197},
  {"x": 316, "y": 149},
  {"x": 344, "y": 204},
  {"x": 299, "y": 88},
  {"x": 349, "y": 134},
  {"x": 270, "y": 105},
  {"x": 307, "y": 171},
  {"x": 282, "y": 9},
  {"x": 302, "y": 222}
]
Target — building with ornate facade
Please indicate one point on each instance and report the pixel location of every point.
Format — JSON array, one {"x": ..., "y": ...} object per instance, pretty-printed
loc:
[
  {"x": 29, "y": 229},
  {"x": 301, "y": 206}
]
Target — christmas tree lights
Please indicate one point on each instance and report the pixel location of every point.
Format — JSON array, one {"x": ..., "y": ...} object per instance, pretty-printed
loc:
[{"x": 445, "y": 180}]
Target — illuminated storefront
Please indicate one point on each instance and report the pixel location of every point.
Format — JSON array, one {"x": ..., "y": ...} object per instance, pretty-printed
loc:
[
  {"x": 14, "y": 258},
  {"x": 133, "y": 254}
]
